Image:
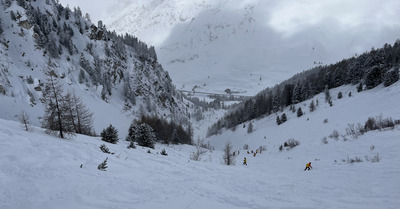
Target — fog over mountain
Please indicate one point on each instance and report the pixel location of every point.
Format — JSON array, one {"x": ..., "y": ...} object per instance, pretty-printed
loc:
[{"x": 204, "y": 42}]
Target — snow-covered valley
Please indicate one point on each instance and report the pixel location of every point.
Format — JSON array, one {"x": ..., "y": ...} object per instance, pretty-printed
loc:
[
  {"x": 228, "y": 49},
  {"x": 249, "y": 45},
  {"x": 42, "y": 171}
]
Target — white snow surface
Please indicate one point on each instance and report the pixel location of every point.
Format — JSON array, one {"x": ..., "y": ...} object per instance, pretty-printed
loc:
[{"x": 39, "y": 171}]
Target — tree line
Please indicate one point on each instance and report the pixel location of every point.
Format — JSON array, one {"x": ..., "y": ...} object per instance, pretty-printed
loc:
[{"x": 368, "y": 70}]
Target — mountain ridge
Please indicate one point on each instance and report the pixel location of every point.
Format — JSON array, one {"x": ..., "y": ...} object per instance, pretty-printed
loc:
[{"x": 119, "y": 72}]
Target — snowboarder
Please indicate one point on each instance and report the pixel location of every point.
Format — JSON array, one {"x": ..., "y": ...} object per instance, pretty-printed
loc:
[
  {"x": 244, "y": 161},
  {"x": 308, "y": 166}
]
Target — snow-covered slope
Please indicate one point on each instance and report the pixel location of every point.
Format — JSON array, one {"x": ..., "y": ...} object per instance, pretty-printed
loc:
[
  {"x": 250, "y": 45},
  {"x": 41, "y": 171},
  {"x": 116, "y": 77}
]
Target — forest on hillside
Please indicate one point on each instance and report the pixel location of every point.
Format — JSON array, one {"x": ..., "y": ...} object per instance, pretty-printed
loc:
[{"x": 368, "y": 70}]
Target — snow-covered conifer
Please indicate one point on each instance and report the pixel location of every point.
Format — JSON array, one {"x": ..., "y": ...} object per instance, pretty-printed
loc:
[
  {"x": 299, "y": 112},
  {"x": 283, "y": 118},
  {"x": 110, "y": 135},
  {"x": 391, "y": 77}
]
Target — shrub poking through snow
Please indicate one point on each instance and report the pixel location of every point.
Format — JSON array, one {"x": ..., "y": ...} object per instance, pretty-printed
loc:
[
  {"x": 290, "y": 143},
  {"x": 131, "y": 145},
  {"x": 324, "y": 140},
  {"x": 163, "y": 152},
  {"x": 334, "y": 135},
  {"x": 379, "y": 123},
  {"x": 354, "y": 160},
  {"x": 375, "y": 158},
  {"x": 103, "y": 166},
  {"x": 199, "y": 151},
  {"x": 104, "y": 149}
]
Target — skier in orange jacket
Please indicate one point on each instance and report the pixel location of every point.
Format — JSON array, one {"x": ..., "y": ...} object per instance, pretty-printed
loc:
[{"x": 308, "y": 166}]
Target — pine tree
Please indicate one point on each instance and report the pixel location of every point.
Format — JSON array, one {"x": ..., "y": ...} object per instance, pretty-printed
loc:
[
  {"x": 250, "y": 128},
  {"x": 340, "y": 95},
  {"x": 391, "y": 77},
  {"x": 360, "y": 87},
  {"x": 283, "y": 118},
  {"x": 312, "y": 106},
  {"x": 299, "y": 112},
  {"x": 275, "y": 104},
  {"x": 110, "y": 135},
  {"x": 327, "y": 94},
  {"x": 146, "y": 136},
  {"x": 278, "y": 120},
  {"x": 132, "y": 132},
  {"x": 373, "y": 78},
  {"x": 143, "y": 134},
  {"x": 175, "y": 137}
]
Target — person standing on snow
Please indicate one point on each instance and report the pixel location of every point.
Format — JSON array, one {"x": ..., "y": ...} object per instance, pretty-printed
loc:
[
  {"x": 308, "y": 166},
  {"x": 244, "y": 161}
]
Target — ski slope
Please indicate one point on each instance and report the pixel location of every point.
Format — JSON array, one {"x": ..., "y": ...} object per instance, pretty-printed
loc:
[{"x": 39, "y": 171}]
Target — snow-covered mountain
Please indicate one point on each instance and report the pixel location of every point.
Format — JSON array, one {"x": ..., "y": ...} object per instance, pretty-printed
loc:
[
  {"x": 117, "y": 76},
  {"x": 42, "y": 171},
  {"x": 249, "y": 45}
]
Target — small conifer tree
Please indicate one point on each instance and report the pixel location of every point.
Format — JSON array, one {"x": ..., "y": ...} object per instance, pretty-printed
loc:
[
  {"x": 299, "y": 112},
  {"x": 312, "y": 106},
  {"x": 110, "y": 135},
  {"x": 340, "y": 95},
  {"x": 163, "y": 152},
  {"x": 103, "y": 166},
  {"x": 278, "y": 120},
  {"x": 283, "y": 118},
  {"x": 250, "y": 128}
]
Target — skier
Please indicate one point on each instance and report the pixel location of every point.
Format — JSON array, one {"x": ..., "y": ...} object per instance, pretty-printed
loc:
[
  {"x": 244, "y": 161},
  {"x": 308, "y": 166}
]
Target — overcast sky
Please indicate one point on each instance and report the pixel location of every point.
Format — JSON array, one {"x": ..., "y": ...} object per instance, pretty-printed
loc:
[
  {"x": 291, "y": 16},
  {"x": 357, "y": 25},
  {"x": 97, "y": 9}
]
